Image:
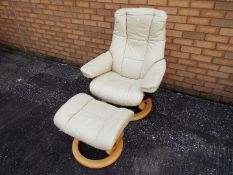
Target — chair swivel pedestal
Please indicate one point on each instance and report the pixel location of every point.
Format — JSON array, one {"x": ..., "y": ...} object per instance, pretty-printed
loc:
[{"x": 113, "y": 153}]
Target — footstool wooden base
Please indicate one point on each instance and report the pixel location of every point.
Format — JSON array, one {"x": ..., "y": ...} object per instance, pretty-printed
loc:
[
  {"x": 95, "y": 123},
  {"x": 145, "y": 106},
  {"x": 114, "y": 154}
]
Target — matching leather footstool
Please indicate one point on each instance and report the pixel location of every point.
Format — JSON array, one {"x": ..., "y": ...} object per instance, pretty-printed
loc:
[{"x": 95, "y": 123}]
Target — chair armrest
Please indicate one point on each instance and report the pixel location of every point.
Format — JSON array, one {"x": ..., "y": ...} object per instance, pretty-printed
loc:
[
  {"x": 153, "y": 77},
  {"x": 97, "y": 66}
]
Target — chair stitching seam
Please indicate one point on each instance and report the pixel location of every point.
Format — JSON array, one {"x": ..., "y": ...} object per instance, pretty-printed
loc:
[
  {"x": 140, "y": 75},
  {"x": 125, "y": 43},
  {"x": 77, "y": 113}
]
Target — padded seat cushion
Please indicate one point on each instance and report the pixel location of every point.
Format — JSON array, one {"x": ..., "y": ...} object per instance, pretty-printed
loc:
[
  {"x": 91, "y": 121},
  {"x": 117, "y": 89}
]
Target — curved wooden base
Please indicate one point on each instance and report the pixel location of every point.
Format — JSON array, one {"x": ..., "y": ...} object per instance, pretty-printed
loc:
[
  {"x": 114, "y": 154},
  {"x": 145, "y": 106}
]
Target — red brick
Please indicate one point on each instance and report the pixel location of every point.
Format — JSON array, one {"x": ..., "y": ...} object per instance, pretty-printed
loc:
[
  {"x": 201, "y": 58},
  {"x": 229, "y": 88},
  {"x": 171, "y": 71},
  {"x": 138, "y": 1},
  {"x": 175, "y": 77},
  {"x": 89, "y": 11},
  {"x": 225, "y": 47},
  {"x": 170, "y": 59},
  {"x": 229, "y": 15},
  {"x": 35, "y": 1},
  {"x": 229, "y": 55},
  {"x": 176, "y": 66},
  {"x": 231, "y": 40},
  {"x": 202, "y": 89},
  {"x": 90, "y": 23},
  {"x": 183, "y": 84},
  {"x": 187, "y": 62},
  {"x": 183, "y": 41},
  {"x": 202, "y": 4},
  {"x": 82, "y": 4},
  {"x": 216, "y": 38},
  {"x": 179, "y": 54},
  {"x": 172, "y": 47},
  {"x": 197, "y": 70},
  {"x": 191, "y": 49},
  {"x": 169, "y": 10},
  {"x": 58, "y": 13},
  {"x": 157, "y": 2},
  {"x": 214, "y": 85},
  {"x": 121, "y": 1},
  {"x": 83, "y": 16},
  {"x": 225, "y": 82},
  {"x": 104, "y": 12},
  {"x": 222, "y": 22},
  {"x": 104, "y": 24},
  {"x": 198, "y": 20},
  {"x": 194, "y": 81},
  {"x": 112, "y": 6},
  {"x": 194, "y": 35},
  {"x": 212, "y": 53},
  {"x": 226, "y": 31},
  {"x": 178, "y": 3},
  {"x": 185, "y": 74},
  {"x": 167, "y": 81},
  {"x": 170, "y": 25},
  {"x": 223, "y": 61},
  {"x": 206, "y": 78},
  {"x": 174, "y": 33},
  {"x": 97, "y": 18},
  {"x": 184, "y": 27},
  {"x": 189, "y": 12},
  {"x": 204, "y": 44},
  {"x": 224, "y": 5},
  {"x": 208, "y": 66},
  {"x": 218, "y": 74},
  {"x": 223, "y": 93},
  {"x": 97, "y": 5},
  {"x": 226, "y": 69},
  {"x": 177, "y": 19},
  {"x": 207, "y": 29},
  {"x": 213, "y": 13}
]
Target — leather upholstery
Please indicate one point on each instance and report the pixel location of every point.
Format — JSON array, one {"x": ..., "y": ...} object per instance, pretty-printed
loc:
[
  {"x": 117, "y": 89},
  {"x": 153, "y": 77},
  {"x": 137, "y": 52},
  {"x": 97, "y": 66},
  {"x": 91, "y": 121}
]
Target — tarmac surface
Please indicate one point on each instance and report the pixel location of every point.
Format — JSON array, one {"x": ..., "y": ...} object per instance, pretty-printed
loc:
[{"x": 183, "y": 135}]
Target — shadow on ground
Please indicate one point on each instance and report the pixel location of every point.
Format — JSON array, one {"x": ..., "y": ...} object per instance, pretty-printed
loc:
[{"x": 182, "y": 136}]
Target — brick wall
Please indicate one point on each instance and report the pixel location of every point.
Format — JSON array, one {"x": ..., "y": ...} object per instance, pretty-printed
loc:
[{"x": 199, "y": 48}]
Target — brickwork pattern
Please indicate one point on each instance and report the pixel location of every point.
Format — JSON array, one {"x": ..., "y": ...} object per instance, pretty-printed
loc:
[{"x": 199, "y": 49}]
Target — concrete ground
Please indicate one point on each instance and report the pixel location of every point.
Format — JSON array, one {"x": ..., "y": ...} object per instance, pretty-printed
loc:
[{"x": 183, "y": 135}]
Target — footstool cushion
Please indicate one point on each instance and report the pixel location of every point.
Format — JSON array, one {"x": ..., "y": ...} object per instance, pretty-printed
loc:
[{"x": 93, "y": 122}]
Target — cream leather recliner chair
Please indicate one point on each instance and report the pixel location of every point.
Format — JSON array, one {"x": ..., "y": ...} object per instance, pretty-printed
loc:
[{"x": 134, "y": 64}]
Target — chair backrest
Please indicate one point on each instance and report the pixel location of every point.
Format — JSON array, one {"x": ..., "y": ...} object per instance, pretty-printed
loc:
[{"x": 138, "y": 40}]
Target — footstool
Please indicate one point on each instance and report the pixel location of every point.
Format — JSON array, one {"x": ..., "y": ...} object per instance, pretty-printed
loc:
[{"x": 95, "y": 123}]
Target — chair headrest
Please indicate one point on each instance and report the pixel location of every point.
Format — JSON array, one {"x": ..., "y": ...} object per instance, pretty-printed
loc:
[{"x": 159, "y": 14}]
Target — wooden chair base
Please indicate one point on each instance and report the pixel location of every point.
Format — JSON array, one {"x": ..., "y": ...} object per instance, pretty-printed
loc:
[
  {"x": 114, "y": 154},
  {"x": 145, "y": 106}
]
